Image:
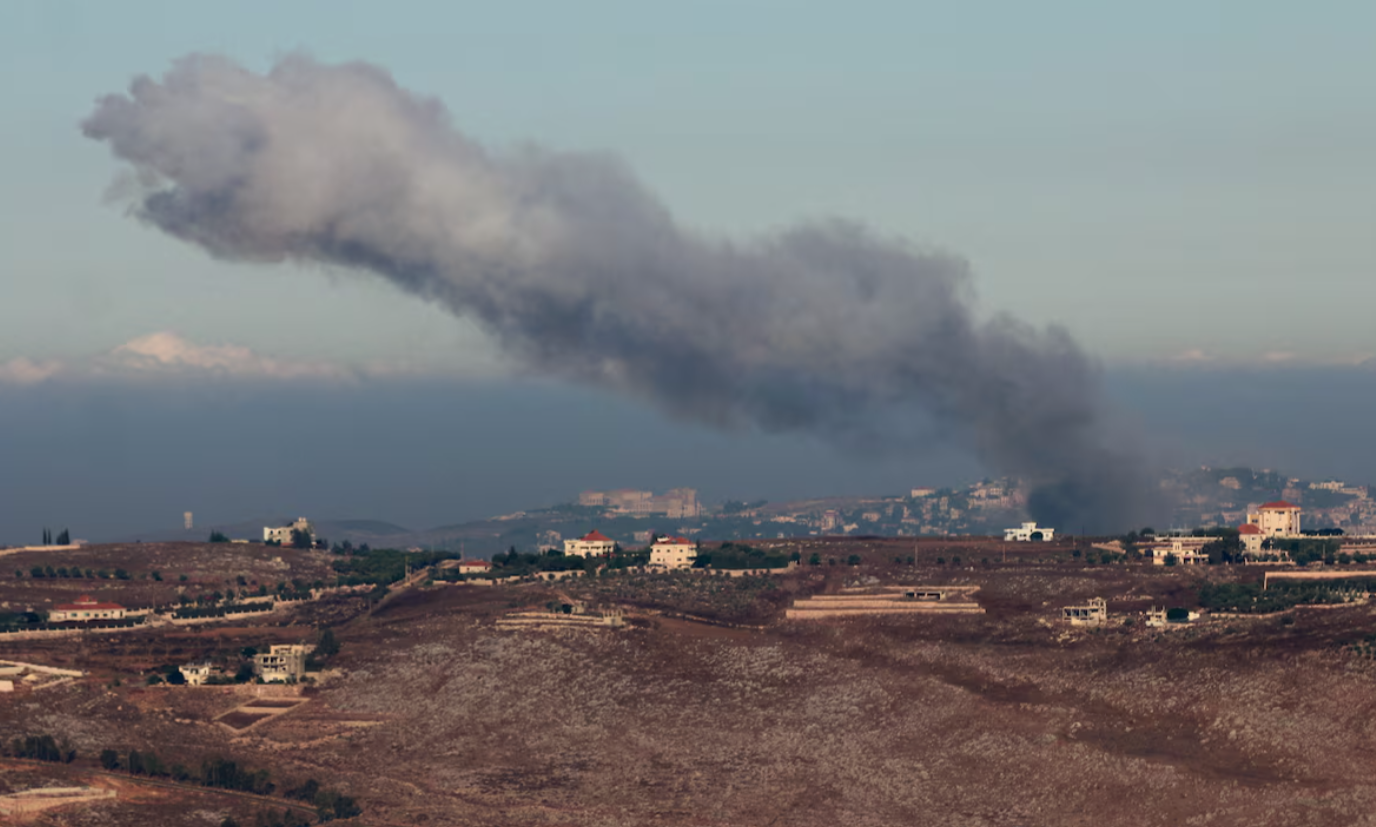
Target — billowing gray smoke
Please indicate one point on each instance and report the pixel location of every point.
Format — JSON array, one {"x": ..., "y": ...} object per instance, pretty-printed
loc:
[{"x": 578, "y": 271}]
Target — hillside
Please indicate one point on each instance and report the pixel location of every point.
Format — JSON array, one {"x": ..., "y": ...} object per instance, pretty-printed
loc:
[{"x": 432, "y": 714}]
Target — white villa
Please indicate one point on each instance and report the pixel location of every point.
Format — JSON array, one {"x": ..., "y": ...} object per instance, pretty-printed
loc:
[
  {"x": 197, "y": 674},
  {"x": 673, "y": 553},
  {"x": 592, "y": 544},
  {"x": 1276, "y": 519},
  {"x": 1028, "y": 532}
]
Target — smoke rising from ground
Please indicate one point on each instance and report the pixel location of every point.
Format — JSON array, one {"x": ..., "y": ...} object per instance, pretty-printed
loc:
[{"x": 579, "y": 272}]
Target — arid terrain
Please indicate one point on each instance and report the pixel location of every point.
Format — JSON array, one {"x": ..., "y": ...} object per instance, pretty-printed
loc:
[{"x": 707, "y": 708}]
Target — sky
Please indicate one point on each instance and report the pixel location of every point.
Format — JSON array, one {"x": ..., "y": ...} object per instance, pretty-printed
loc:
[{"x": 1184, "y": 185}]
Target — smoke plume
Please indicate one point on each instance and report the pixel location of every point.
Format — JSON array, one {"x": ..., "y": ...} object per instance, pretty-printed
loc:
[{"x": 575, "y": 269}]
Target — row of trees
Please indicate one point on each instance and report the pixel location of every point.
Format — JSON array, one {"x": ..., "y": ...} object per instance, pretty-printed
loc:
[
  {"x": 1250, "y": 598},
  {"x": 39, "y": 572},
  {"x": 63, "y": 539},
  {"x": 222, "y": 773},
  {"x": 42, "y": 748}
]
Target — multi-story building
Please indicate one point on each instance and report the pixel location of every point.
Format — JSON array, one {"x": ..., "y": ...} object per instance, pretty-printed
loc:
[
  {"x": 282, "y": 534},
  {"x": 673, "y": 553},
  {"x": 1276, "y": 519},
  {"x": 676, "y": 503},
  {"x": 196, "y": 674},
  {"x": 282, "y": 662},
  {"x": 592, "y": 544}
]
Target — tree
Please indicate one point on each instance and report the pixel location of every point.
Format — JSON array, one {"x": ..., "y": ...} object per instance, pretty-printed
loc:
[
  {"x": 109, "y": 759},
  {"x": 64, "y": 539},
  {"x": 815, "y": 559},
  {"x": 300, "y": 539},
  {"x": 218, "y": 537},
  {"x": 327, "y": 646},
  {"x": 135, "y": 762},
  {"x": 853, "y": 560}
]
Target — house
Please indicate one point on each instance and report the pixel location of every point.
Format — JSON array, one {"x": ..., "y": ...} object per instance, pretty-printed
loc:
[
  {"x": 1028, "y": 532},
  {"x": 86, "y": 608},
  {"x": 1187, "y": 551},
  {"x": 282, "y": 534},
  {"x": 1093, "y": 613},
  {"x": 592, "y": 544},
  {"x": 474, "y": 567},
  {"x": 197, "y": 674},
  {"x": 1276, "y": 519},
  {"x": 1252, "y": 537},
  {"x": 1164, "y": 618},
  {"x": 673, "y": 553},
  {"x": 282, "y": 663}
]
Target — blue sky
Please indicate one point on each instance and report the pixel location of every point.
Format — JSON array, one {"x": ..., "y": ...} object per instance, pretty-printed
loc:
[
  {"x": 1170, "y": 179},
  {"x": 1161, "y": 178}
]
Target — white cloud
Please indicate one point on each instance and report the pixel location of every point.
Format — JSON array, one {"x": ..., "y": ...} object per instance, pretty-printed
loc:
[
  {"x": 24, "y": 371},
  {"x": 169, "y": 352},
  {"x": 169, "y": 355}
]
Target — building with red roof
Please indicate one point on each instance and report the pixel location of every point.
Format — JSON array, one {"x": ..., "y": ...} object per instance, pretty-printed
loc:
[
  {"x": 1276, "y": 519},
  {"x": 673, "y": 553},
  {"x": 592, "y": 544},
  {"x": 475, "y": 567},
  {"x": 86, "y": 608},
  {"x": 1252, "y": 537}
]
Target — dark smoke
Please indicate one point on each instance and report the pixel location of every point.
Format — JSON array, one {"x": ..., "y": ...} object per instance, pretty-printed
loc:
[{"x": 579, "y": 272}]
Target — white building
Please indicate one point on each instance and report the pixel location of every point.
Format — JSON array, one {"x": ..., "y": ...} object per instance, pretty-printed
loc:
[
  {"x": 592, "y": 544},
  {"x": 673, "y": 553},
  {"x": 86, "y": 608},
  {"x": 1277, "y": 519},
  {"x": 475, "y": 567},
  {"x": 197, "y": 674},
  {"x": 282, "y": 662},
  {"x": 1026, "y": 533},
  {"x": 1252, "y": 537},
  {"x": 282, "y": 534},
  {"x": 1093, "y": 613},
  {"x": 1186, "y": 551}
]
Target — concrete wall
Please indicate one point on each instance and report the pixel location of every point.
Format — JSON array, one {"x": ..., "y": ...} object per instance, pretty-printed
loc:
[{"x": 892, "y": 609}]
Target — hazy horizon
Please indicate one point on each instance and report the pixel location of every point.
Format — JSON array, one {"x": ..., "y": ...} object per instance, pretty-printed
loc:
[{"x": 110, "y": 459}]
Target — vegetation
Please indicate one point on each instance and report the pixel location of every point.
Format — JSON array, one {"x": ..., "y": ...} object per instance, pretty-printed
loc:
[
  {"x": 218, "y": 537},
  {"x": 513, "y": 563},
  {"x": 382, "y": 566},
  {"x": 42, "y": 748},
  {"x": 1305, "y": 550},
  {"x": 221, "y": 610},
  {"x": 740, "y": 556},
  {"x": 1250, "y": 598}
]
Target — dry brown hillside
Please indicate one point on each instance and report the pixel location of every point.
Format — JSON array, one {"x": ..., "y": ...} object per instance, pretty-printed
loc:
[{"x": 438, "y": 717}]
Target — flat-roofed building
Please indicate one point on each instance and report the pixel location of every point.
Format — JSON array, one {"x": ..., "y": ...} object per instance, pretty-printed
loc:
[{"x": 282, "y": 662}]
